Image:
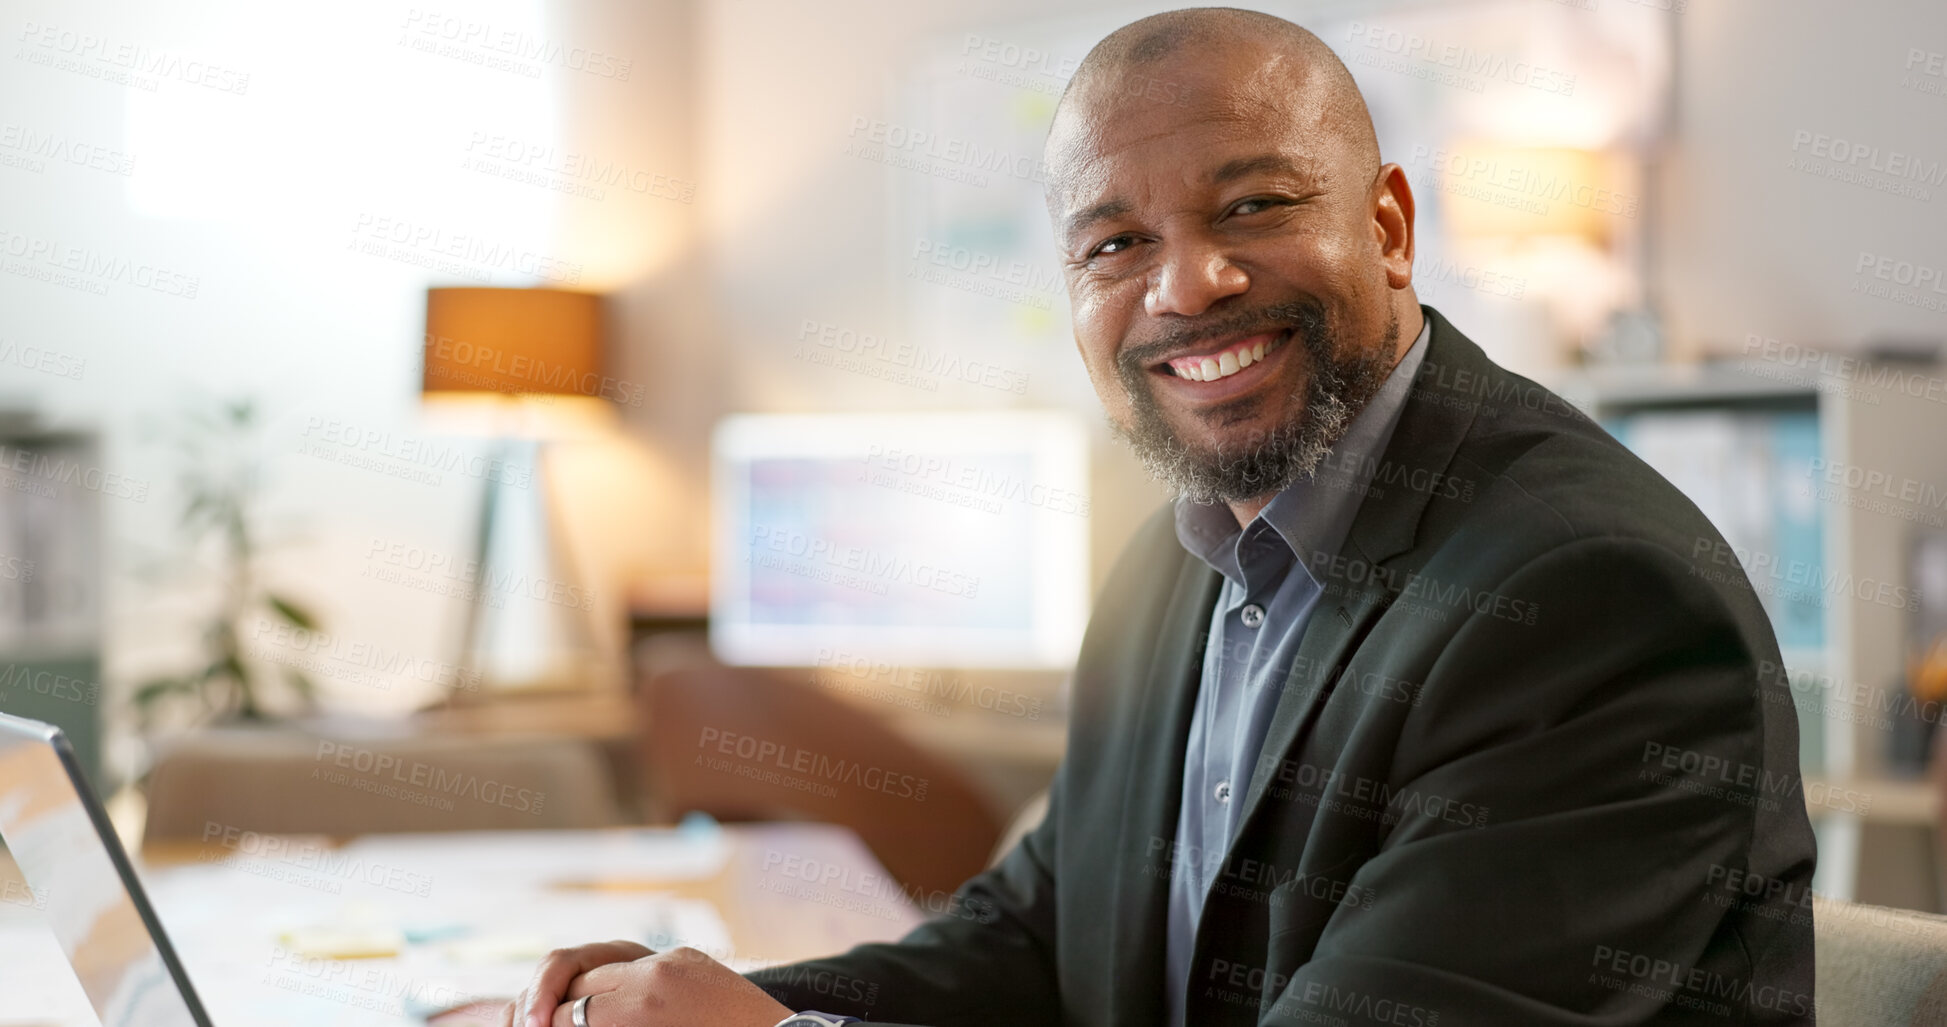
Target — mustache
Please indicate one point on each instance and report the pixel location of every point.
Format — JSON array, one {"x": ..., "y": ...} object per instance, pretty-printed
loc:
[{"x": 1306, "y": 317}]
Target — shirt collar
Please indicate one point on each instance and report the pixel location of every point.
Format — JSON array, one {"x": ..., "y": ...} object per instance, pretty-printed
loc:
[{"x": 1313, "y": 514}]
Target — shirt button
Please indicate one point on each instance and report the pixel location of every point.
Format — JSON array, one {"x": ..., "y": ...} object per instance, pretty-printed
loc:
[
  {"x": 1222, "y": 792},
  {"x": 1253, "y": 615}
]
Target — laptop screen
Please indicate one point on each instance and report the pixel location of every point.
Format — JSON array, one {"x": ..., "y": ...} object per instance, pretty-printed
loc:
[{"x": 83, "y": 882}]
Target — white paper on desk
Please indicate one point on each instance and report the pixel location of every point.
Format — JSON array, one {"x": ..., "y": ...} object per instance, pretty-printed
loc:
[
  {"x": 226, "y": 919},
  {"x": 248, "y": 977},
  {"x": 527, "y": 857}
]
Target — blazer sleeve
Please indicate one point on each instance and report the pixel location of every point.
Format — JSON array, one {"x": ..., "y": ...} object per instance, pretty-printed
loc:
[
  {"x": 1615, "y": 758},
  {"x": 990, "y": 958}
]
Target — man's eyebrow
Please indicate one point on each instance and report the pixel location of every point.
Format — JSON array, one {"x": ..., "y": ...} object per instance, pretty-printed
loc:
[
  {"x": 1267, "y": 163},
  {"x": 1100, "y": 212}
]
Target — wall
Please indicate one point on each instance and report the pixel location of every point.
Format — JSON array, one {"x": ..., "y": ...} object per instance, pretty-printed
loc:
[
  {"x": 1760, "y": 242},
  {"x": 255, "y": 211}
]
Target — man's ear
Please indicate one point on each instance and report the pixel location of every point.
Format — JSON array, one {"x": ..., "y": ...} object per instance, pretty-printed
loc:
[{"x": 1392, "y": 224}]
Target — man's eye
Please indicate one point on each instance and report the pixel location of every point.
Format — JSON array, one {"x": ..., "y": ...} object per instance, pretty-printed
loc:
[
  {"x": 1111, "y": 245},
  {"x": 1254, "y": 205}
]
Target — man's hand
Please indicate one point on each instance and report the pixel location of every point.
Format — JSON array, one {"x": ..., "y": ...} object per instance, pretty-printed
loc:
[
  {"x": 634, "y": 987},
  {"x": 534, "y": 1007}
]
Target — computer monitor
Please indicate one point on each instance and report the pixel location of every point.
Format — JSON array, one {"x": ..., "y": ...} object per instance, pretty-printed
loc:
[
  {"x": 937, "y": 539},
  {"x": 60, "y": 836}
]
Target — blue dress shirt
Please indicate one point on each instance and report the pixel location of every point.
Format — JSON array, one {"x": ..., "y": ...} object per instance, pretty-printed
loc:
[{"x": 1266, "y": 600}]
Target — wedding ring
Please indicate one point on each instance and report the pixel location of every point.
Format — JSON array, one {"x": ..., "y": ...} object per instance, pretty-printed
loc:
[{"x": 579, "y": 1012}]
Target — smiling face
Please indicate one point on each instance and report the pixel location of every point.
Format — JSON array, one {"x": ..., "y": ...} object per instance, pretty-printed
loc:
[{"x": 1238, "y": 263}]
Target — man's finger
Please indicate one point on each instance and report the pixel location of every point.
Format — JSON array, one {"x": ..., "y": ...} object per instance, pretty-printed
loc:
[
  {"x": 594, "y": 982},
  {"x": 564, "y": 1014},
  {"x": 537, "y": 1000},
  {"x": 561, "y": 966}
]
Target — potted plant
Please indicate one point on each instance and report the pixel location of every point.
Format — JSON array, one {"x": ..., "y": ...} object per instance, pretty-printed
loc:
[{"x": 221, "y": 480}]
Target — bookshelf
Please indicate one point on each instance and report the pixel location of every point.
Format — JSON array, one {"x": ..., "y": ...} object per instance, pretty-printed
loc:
[
  {"x": 1864, "y": 453},
  {"x": 50, "y": 582}
]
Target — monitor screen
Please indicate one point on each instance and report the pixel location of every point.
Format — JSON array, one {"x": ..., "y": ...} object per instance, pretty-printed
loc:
[
  {"x": 1749, "y": 471},
  {"x": 950, "y": 540}
]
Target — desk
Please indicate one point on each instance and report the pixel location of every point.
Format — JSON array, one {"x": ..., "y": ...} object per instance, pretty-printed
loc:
[{"x": 449, "y": 916}]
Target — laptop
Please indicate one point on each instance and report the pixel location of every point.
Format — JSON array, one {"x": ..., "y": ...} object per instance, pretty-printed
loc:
[{"x": 60, "y": 836}]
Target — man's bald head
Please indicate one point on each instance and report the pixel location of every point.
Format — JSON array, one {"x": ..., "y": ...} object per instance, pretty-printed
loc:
[{"x": 1289, "y": 66}]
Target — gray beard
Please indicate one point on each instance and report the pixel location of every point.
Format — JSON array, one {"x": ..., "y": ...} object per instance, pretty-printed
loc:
[{"x": 1337, "y": 388}]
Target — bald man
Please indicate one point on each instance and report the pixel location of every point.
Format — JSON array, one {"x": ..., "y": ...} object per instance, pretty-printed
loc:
[{"x": 1424, "y": 703}]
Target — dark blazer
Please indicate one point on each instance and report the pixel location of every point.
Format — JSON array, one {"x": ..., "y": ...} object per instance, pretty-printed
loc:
[{"x": 1535, "y": 764}]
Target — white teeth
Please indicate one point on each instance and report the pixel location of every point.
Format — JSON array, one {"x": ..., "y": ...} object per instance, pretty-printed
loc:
[{"x": 1209, "y": 369}]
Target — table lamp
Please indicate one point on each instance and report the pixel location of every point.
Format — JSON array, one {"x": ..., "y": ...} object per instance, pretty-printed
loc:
[
  {"x": 516, "y": 363},
  {"x": 1567, "y": 224},
  {"x": 1532, "y": 192}
]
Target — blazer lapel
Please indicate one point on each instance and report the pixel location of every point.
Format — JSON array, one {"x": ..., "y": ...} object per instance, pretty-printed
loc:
[
  {"x": 1153, "y": 793},
  {"x": 1357, "y": 584}
]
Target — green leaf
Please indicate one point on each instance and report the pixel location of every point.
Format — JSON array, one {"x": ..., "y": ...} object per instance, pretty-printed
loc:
[
  {"x": 151, "y": 691},
  {"x": 227, "y": 667},
  {"x": 292, "y": 612}
]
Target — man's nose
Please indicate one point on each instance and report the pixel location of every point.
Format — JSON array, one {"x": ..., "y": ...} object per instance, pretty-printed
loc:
[{"x": 1192, "y": 277}]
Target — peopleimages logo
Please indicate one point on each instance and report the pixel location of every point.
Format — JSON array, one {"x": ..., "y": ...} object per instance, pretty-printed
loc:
[
  {"x": 33, "y": 149},
  {"x": 20, "y": 678},
  {"x": 402, "y": 456},
  {"x": 760, "y": 754},
  {"x": 971, "y": 479},
  {"x": 439, "y": 783},
  {"x": 1872, "y": 157},
  {"x": 37, "y": 464},
  {"x": 124, "y": 61},
  {"x": 894, "y": 137},
  {"x": 89, "y": 269},
  {"x": 1900, "y": 272},
  {"x": 445, "y": 574},
  {"x": 310, "y": 858},
  {"x": 1538, "y": 184},
  {"x": 1467, "y": 67},
  {"x": 888, "y": 567},
  {"x": 460, "y": 37},
  {"x": 497, "y": 371},
  {"x": 930, "y": 683},
  {"x": 921, "y": 360},
  {"x": 46, "y": 361}
]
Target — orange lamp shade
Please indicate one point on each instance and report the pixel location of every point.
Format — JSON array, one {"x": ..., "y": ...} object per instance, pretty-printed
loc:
[
  {"x": 514, "y": 341},
  {"x": 1523, "y": 192}
]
